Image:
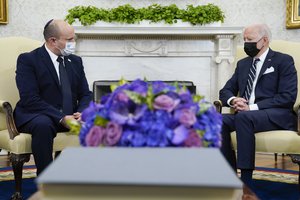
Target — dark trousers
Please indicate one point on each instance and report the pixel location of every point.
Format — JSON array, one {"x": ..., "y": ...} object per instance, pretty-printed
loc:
[
  {"x": 246, "y": 124},
  {"x": 43, "y": 130}
]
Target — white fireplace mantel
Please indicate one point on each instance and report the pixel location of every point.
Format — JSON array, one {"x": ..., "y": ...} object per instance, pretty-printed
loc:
[
  {"x": 156, "y": 30},
  {"x": 202, "y": 54}
]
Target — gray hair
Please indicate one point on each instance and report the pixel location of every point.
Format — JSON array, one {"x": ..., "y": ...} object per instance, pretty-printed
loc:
[{"x": 264, "y": 30}]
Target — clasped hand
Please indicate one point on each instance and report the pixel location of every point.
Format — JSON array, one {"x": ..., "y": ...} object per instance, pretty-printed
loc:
[
  {"x": 240, "y": 104},
  {"x": 76, "y": 116}
]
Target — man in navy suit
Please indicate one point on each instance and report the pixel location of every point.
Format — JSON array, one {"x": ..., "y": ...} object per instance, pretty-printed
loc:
[
  {"x": 47, "y": 97},
  {"x": 267, "y": 104}
]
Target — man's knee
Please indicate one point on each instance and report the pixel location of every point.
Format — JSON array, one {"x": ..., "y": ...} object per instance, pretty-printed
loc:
[
  {"x": 228, "y": 123},
  {"x": 245, "y": 116},
  {"x": 43, "y": 125}
]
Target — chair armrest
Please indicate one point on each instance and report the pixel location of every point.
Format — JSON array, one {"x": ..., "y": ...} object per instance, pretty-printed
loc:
[
  {"x": 10, "y": 123},
  {"x": 218, "y": 105},
  {"x": 298, "y": 119}
]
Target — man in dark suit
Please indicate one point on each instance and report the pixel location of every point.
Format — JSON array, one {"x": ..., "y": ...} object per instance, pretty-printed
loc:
[
  {"x": 52, "y": 87},
  {"x": 262, "y": 91}
]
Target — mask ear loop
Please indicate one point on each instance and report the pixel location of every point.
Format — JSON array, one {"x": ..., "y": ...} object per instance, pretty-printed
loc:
[{"x": 265, "y": 40}]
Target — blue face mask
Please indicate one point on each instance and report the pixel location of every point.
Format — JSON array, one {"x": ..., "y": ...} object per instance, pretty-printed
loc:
[{"x": 69, "y": 49}]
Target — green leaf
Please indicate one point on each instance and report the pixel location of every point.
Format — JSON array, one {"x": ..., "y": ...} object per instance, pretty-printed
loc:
[
  {"x": 150, "y": 97},
  {"x": 202, "y": 14},
  {"x": 100, "y": 121},
  {"x": 135, "y": 97},
  {"x": 197, "y": 98}
]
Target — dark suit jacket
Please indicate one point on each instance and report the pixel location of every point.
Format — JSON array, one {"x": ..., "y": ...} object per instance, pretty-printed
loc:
[
  {"x": 39, "y": 88},
  {"x": 275, "y": 92}
]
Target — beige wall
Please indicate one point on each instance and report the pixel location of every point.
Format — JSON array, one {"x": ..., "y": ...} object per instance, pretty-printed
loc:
[{"x": 27, "y": 17}]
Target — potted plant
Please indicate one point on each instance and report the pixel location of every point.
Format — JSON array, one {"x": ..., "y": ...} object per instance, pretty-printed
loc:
[{"x": 126, "y": 14}]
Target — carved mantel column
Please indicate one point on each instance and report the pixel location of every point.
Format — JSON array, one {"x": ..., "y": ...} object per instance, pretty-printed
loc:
[{"x": 225, "y": 48}]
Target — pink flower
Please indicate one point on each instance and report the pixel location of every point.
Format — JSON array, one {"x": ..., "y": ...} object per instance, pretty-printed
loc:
[
  {"x": 113, "y": 133},
  {"x": 164, "y": 102},
  {"x": 122, "y": 97},
  {"x": 193, "y": 140},
  {"x": 186, "y": 117},
  {"x": 95, "y": 136}
]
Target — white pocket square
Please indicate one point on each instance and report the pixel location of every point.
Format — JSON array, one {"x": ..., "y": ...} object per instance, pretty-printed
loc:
[{"x": 269, "y": 70}]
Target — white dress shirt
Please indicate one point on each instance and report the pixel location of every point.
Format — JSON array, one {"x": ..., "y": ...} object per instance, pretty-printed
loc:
[{"x": 54, "y": 60}]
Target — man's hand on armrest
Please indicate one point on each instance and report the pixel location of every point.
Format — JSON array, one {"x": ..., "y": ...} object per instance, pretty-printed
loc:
[{"x": 239, "y": 104}]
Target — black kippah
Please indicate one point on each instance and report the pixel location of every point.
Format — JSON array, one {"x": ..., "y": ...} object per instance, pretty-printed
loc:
[{"x": 48, "y": 23}]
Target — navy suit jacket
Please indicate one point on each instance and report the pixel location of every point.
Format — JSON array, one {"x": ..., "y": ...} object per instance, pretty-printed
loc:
[
  {"x": 39, "y": 89},
  {"x": 275, "y": 92}
]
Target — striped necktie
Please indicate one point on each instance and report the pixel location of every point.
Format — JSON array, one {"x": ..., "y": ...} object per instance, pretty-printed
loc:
[{"x": 251, "y": 77}]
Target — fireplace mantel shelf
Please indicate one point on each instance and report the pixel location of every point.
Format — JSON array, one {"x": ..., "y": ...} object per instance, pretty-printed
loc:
[{"x": 153, "y": 30}]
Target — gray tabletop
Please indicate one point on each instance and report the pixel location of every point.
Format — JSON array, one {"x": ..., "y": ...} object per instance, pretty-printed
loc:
[{"x": 141, "y": 166}]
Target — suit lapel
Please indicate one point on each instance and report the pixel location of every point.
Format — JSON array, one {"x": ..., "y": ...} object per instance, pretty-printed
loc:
[
  {"x": 266, "y": 64},
  {"x": 245, "y": 72},
  {"x": 48, "y": 62}
]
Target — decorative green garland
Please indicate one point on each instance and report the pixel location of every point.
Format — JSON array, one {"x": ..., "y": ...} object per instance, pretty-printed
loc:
[{"x": 203, "y": 14}]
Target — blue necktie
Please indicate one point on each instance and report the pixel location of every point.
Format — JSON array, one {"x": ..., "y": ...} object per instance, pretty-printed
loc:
[
  {"x": 67, "y": 107},
  {"x": 251, "y": 77}
]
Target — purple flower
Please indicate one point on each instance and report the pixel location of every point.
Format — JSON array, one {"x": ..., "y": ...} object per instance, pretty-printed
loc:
[
  {"x": 132, "y": 138},
  {"x": 159, "y": 136},
  {"x": 164, "y": 102},
  {"x": 180, "y": 135},
  {"x": 160, "y": 86},
  {"x": 186, "y": 117},
  {"x": 211, "y": 123},
  {"x": 193, "y": 140},
  {"x": 122, "y": 97},
  {"x": 121, "y": 113},
  {"x": 89, "y": 111},
  {"x": 113, "y": 133},
  {"x": 85, "y": 127},
  {"x": 152, "y": 114},
  {"x": 138, "y": 86},
  {"x": 95, "y": 136},
  {"x": 139, "y": 139}
]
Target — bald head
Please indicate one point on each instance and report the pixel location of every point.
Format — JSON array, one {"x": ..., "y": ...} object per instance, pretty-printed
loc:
[
  {"x": 56, "y": 28},
  {"x": 57, "y": 33}
]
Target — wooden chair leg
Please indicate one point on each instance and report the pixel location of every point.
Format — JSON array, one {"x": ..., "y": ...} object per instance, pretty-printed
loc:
[
  {"x": 296, "y": 159},
  {"x": 17, "y": 161},
  {"x": 275, "y": 155}
]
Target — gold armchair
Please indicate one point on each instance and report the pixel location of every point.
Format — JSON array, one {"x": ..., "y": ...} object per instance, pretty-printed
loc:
[
  {"x": 279, "y": 141},
  {"x": 18, "y": 144}
]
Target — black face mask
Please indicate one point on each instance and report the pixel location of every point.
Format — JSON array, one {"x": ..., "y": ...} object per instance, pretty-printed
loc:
[{"x": 251, "y": 49}]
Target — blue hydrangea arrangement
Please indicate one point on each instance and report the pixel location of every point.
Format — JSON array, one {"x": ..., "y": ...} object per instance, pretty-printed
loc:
[{"x": 150, "y": 114}]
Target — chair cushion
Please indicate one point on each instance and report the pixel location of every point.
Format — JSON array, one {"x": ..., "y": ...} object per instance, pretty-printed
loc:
[
  {"x": 279, "y": 141},
  {"x": 22, "y": 143}
]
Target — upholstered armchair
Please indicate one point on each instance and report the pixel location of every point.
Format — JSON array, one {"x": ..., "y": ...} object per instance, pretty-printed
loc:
[
  {"x": 279, "y": 141},
  {"x": 18, "y": 144}
]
